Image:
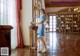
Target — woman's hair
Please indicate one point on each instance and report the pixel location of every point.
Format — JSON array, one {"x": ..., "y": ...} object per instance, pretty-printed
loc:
[{"x": 43, "y": 10}]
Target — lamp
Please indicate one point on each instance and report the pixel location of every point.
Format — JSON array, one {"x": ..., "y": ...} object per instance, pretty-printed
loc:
[{"x": 77, "y": 9}]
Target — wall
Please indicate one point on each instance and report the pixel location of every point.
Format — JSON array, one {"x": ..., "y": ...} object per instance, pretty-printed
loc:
[
  {"x": 55, "y": 9},
  {"x": 26, "y": 19},
  {"x": 43, "y": 4}
]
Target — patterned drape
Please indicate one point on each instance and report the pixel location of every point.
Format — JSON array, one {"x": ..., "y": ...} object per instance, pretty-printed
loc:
[{"x": 19, "y": 29}]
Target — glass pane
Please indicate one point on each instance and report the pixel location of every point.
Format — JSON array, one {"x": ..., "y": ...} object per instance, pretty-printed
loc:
[
  {"x": 50, "y": 20},
  {"x": 4, "y": 1},
  {"x": 4, "y": 8},
  {"x": 50, "y": 29},
  {"x": 54, "y": 23},
  {"x": 50, "y": 23},
  {"x": 54, "y": 29},
  {"x": 1, "y": 0},
  {"x": 54, "y": 18},
  {"x": 0, "y": 11},
  {"x": 50, "y": 17},
  {"x": 1, "y": 18},
  {"x": 1, "y": 7},
  {"x": 50, "y": 26}
]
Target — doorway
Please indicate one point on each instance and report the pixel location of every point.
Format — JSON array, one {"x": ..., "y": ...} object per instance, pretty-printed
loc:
[{"x": 52, "y": 23}]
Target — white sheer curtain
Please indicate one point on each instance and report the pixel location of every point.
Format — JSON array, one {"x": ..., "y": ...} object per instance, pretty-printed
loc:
[{"x": 8, "y": 17}]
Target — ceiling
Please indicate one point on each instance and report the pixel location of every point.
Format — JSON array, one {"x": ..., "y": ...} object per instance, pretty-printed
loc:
[
  {"x": 55, "y": 9},
  {"x": 61, "y": 5}
]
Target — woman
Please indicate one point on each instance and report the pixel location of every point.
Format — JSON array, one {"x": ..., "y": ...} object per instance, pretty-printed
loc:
[{"x": 40, "y": 30}]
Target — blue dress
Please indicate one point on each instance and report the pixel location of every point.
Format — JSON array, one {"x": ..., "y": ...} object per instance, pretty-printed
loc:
[{"x": 41, "y": 26}]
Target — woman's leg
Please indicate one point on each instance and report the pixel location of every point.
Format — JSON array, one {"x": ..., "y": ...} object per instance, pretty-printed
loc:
[
  {"x": 44, "y": 45},
  {"x": 43, "y": 42}
]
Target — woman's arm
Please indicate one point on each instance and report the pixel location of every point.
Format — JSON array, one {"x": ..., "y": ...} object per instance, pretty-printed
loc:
[
  {"x": 38, "y": 22},
  {"x": 42, "y": 21}
]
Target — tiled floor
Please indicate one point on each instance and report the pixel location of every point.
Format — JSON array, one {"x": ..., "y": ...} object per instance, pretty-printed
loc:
[{"x": 59, "y": 44}]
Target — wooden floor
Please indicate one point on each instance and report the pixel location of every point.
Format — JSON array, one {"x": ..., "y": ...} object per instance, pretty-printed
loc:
[{"x": 59, "y": 44}]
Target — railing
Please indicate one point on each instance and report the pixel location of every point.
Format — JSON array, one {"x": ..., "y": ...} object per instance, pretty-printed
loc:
[{"x": 33, "y": 36}]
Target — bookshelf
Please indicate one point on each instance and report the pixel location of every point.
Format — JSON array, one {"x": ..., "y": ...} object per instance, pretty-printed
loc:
[
  {"x": 79, "y": 22},
  {"x": 68, "y": 22}
]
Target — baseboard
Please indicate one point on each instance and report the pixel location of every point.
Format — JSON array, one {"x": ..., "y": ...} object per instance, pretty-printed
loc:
[{"x": 26, "y": 46}]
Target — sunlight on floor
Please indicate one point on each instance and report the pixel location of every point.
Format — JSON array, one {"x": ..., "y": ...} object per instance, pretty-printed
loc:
[{"x": 53, "y": 41}]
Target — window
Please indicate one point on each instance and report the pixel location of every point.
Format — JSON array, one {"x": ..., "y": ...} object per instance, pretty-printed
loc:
[
  {"x": 52, "y": 23},
  {"x": 8, "y": 17}
]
